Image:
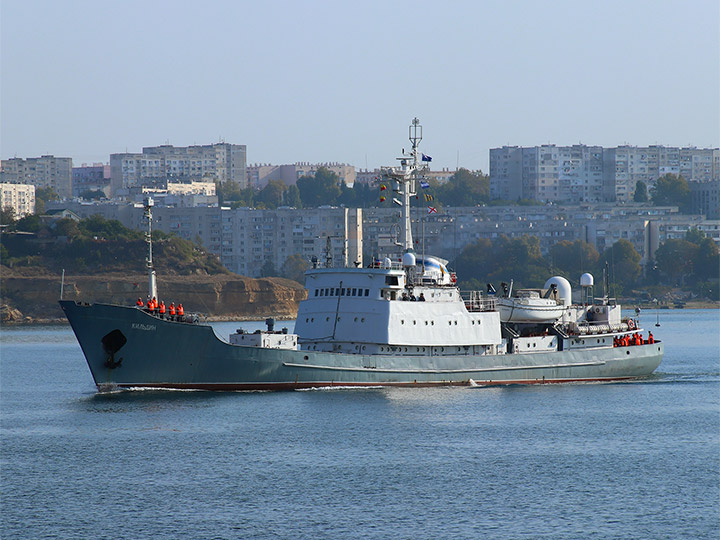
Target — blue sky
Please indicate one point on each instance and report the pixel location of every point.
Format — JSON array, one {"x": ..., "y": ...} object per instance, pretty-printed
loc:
[{"x": 340, "y": 81}]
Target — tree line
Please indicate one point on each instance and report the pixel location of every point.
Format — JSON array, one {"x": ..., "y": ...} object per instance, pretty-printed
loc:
[{"x": 692, "y": 263}]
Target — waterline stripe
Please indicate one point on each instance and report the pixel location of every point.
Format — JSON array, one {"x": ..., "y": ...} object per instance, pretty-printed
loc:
[{"x": 469, "y": 370}]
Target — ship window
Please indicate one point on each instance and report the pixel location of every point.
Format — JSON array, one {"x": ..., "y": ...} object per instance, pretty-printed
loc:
[
  {"x": 332, "y": 292},
  {"x": 362, "y": 320},
  {"x": 348, "y": 291},
  {"x": 402, "y": 322},
  {"x": 354, "y": 292},
  {"x": 342, "y": 292},
  {"x": 455, "y": 323},
  {"x": 414, "y": 322},
  {"x": 355, "y": 319},
  {"x": 317, "y": 292},
  {"x": 327, "y": 318},
  {"x": 337, "y": 292},
  {"x": 367, "y": 292},
  {"x": 391, "y": 280},
  {"x": 450, "y": 323}
]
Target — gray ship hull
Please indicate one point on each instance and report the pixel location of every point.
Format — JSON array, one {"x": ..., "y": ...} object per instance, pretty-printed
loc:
[{"x": 128, "y": 348}]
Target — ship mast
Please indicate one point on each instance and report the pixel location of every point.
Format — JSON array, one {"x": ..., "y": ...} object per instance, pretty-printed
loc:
[
  {"x": 404, "y": 183},
  {"x": 152, "y": 283}
]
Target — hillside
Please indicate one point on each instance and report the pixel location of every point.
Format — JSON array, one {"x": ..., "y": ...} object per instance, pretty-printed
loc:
[
  {"x": 218, "y": 296},
  {"x": 105, "y": 262}
]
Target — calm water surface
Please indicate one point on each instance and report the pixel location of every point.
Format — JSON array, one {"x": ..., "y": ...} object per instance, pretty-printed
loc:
[{"x": 627, "y": 460}]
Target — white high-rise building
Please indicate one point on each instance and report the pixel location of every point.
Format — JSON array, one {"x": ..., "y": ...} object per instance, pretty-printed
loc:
[
  {"x": 581, "y": 173},
  {"x": 19, "y": 197},
  {"x": 158, "y": 165}
]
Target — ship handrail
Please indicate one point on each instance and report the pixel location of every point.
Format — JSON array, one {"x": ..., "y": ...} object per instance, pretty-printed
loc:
[{"x": 476, "y": 301}]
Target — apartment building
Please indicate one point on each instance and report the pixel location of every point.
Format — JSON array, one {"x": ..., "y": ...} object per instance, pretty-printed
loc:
[
  {"x": 247, "y": 238},
  {"x": 41, "y": 172},
  {"x": 580, "y": 173},
  {"x": 95, "y": 177},
  {"x": 158, "y": 165},
  {"x": 259, "y": 175},
  {"x": 19, "y": 197}
]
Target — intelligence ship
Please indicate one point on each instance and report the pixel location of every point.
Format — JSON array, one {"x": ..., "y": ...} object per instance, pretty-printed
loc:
[{"x": 399, "y": 321}]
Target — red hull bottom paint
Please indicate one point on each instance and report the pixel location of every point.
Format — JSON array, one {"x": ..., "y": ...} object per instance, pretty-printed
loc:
[{"x": 235, "y": 387}]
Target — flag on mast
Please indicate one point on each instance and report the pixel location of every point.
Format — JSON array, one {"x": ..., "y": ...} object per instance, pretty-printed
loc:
[{"x": 432, "y": 210}]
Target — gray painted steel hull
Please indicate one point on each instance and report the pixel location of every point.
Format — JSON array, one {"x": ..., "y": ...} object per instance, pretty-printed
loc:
[{"x": 165, "y": 354}]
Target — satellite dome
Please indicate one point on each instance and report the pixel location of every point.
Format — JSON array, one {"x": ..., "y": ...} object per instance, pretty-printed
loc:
[
  {"x": 408, "y": 259},
  {"x": 587, "y": 280}
]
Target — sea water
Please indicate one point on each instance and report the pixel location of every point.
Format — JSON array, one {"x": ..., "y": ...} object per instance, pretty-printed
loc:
[{"x": 629, "y": 460}]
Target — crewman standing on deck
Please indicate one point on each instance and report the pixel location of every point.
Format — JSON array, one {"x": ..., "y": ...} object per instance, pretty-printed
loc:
[
  {"x": 180, "y": 312},
  {"x": 161, "y": 309},
  {"x": 172, "y": 311},
  {"x": 139, "y": 303}
]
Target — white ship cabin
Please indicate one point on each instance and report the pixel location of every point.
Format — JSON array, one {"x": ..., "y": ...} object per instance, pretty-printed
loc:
[{"x": 413, "y": 308}]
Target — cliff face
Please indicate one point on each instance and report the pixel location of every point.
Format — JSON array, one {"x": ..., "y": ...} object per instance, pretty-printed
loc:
[{"x": 221, "y": 296}]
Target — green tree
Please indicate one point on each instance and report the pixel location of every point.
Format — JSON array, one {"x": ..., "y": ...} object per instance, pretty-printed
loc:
[
  {"x": 294, "y": 268},
  {"x": 518, "y": 259},
  {"x": 271, "y": 196},
  {"x": 671, "y": 190},
  {"x": 641, "y": 194},
  {"x": 706, "y": 263},
  {"x": 675, "y": 259},
  {"x": 89, "y": 194},
  {"x": 694, "y": 235},
  {"x": 268, "y": 269},
  {"x": 30, "y": 223},
  {"x": 624, "y": 263},
  {"x": 573, "y": 259},
  {"x": 66, "y": 227},
  {"x": 42, "y": 196},
  {"x": 320, "y": 189},
  {"x": 292, "y": 197},
  {"x": 465, "y": 188},
  {"x": 7, "y": 216}
]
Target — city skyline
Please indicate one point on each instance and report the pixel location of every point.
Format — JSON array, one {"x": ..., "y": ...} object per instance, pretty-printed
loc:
[{"x": 323, "y": 82}]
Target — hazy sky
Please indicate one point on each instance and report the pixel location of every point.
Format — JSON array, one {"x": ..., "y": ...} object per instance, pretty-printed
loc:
[{"x": 340, "y": 81}]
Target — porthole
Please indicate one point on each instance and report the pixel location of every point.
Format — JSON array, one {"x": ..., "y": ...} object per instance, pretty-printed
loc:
[
  {"x": 306, "y": 319},
  {"x": 414, "y": 322},
  {"x": 455, "y": 323},
  {"x": 473, "y": 322},
  {"x": 305, "y": 357},
  {"x": 432, "y": 323},
  {"x": 327, "y": 319},
  {"x": 450, "y": 323},
  {"x": 402, "y": 322},
  {"x": 362, "y": 320},
  {"x": 426, "y": 323},
  {"x": 355, "y": 320}
]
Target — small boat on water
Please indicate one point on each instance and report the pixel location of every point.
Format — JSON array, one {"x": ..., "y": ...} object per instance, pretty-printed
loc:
[{"x": 399, "y": 321}]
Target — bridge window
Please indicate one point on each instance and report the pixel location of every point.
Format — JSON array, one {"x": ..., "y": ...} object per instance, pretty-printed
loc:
[
  {"x": 367, "y": 292},
  {"x": 354, "y": 292},
  {"x": 391, "y": 280},
  {"x": 337, "y": 291},
  {"x": 317, "y": 292}
]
